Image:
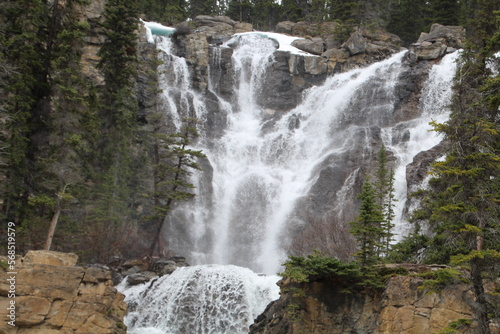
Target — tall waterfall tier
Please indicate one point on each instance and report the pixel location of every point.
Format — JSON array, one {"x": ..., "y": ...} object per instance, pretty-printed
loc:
[
  {"x": 200, "y": 299},
  {"x": 284, "y": 181}
]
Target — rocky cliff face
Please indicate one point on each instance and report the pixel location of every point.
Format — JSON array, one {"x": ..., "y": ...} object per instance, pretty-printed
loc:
[
  {"x": 53, "y": 295},
  {"x": 402, "y": 307}
]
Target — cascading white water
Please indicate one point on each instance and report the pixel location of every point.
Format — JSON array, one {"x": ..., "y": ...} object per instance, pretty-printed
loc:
[
  {"x": 260, "y": 176},
  {"x": 200, "y": 299},
  {"x": 435, "y": 100}
]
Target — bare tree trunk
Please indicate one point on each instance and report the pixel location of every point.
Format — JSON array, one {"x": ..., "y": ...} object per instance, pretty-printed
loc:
[
  {"x": 53, "y": 225},
  {"x": 481, "y": 303},
  {"x": 156, "y": 240}
]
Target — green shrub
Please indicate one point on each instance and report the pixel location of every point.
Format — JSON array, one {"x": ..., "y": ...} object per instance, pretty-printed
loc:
[
  {"x": 455, "y": 325},
  {"x": 315, "y": 267},
  {"x": 439, "y": 279}
]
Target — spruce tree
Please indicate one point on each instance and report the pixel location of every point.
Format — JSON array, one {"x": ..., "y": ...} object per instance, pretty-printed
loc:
[
  {"x": 23, "y": 36},
  {"x": 389, "y": 213},
  {"x": 462, "y": 205},
  {"x": 241, "y": 10},
  {"x": 368, "y": 227},
  {"x": 408, "y": 18},
  {"x": 384, "y": 191},
  {"x": 174, "y": 161}
]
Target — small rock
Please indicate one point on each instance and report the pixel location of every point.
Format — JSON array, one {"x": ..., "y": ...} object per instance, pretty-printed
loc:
[
  {"x": 141, "y": 277},
  {"x": 355, "y": 44},
  {"x": 335, "y": 54},
  {"x": 285, "y": 27},
  {"x": 131, "y": 271}
]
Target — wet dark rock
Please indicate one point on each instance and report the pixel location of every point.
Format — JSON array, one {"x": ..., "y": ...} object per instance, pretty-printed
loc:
[
  {"x": 439, "y": 41},
  {"x": 355, "y": 44},
  {"x": 452, "y": 36},
  {"x": 285, "y": 27},
  {"x": 141, "y": 277},
  {"x": 131, "y": 271},
  {"x": 314, "y": 45}
]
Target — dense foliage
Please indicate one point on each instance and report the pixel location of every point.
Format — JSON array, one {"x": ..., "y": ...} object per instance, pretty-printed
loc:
[{"x": 405, "y": 18}]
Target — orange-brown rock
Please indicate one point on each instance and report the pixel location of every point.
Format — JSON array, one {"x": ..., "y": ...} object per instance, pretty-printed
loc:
[
  {"x": 402, "y": 307},
  {"x": 53, "y": 295}
]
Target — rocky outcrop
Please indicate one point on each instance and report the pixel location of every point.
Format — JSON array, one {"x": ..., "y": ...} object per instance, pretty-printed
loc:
[
  {"x": 142, "y": 270},
  {"x": 439, "y": 41},
  {"x": 314, "y": 45},
  {"x": 52, "y": 295},
  {"x": 210, "y": 30},
  {"x": 402, "y": 307},
  {"x": 92, "y": 13},
  {"x": 363, "y": 47},
  {"x": 215, "y": 26}
]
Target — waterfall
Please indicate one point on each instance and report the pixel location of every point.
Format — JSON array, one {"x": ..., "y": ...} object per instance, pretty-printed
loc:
[
  {"x": 435, "y": 100},
  {"x": 209, "y": 299},
  {"x": 266, "y": 170},
  {"x": 262, "y": 172}
]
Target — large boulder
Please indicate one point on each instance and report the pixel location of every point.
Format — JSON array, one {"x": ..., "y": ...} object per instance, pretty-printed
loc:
[
  {"x": 305, "y": 29},
  {"x": 355, "y": 44},
  {"x": 216, "y": 26},
  {"x": 285, "y": 27},
  {"x": 315, "y": 65},
  {"x": 51, "y": 258},
  {"x": 213, "y": 21},
  {"x": 452, "y": 36},
  {"x": 313, "y": 45},
  {"x": 435, "y": 44},
  {"x": 55, "y": 296},
  {"x": 428, "y": 50},
  {"x": 240, "y": 27}
]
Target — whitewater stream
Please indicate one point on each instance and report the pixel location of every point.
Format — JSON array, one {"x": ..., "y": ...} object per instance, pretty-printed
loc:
[{"x": 260, "y": 171}]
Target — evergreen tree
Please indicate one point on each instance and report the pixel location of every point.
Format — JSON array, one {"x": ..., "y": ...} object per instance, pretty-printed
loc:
[
  {"x": 368, "y": 228},
  {"x": 389, "y": 213},
  {"x": 408, "y": 18},
  {"x": 345, "y": 10},
  {"x": 62, "y": 162},
  {"x": 384, "y": 191},
  {"x": 294, "y": 10},
  {"x": 462, "y": 204},
  {"x": 266, "y": 14},
  {"x": 202, "y": 7},
  {"x": 112, "y": 162},
  {"x": 118, "y": 54},
  {"x": 168, "y": 12},
  {"x": 174, "y": 161},
  {"x": 23, "y": 37},
  {"x": 241, "y": 10},
  {"x": 445, "y": 12}
]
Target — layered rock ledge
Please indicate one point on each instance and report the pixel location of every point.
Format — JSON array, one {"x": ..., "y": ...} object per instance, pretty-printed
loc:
[
  {"x": 402, "y": 307},
  {"x": 53, "y": 295}
]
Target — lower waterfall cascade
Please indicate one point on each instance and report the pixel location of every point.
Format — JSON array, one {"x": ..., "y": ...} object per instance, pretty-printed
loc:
[
  {"x": 207, "y": 299},
  {"x": 264, "y": 167}
]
